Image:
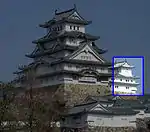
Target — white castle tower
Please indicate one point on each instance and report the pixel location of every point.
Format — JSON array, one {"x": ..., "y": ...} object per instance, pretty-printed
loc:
[{"x": 124, "y": 80}]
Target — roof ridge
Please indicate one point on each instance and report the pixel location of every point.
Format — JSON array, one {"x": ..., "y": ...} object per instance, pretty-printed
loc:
[
  {"x": 62, "y": 12},
  {"x": 86, "y": 103}
]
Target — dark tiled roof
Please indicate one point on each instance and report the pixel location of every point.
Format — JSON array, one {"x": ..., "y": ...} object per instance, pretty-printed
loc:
[
  {"x": 51, "y": 51},
  {"x": 123, "y": 111},
  {"x": 65, "y": 47},
  {"x": 53, "y": 21},
  {"x": 73, "y": 34},
  {"x": 135, "y": 104},
  {"x": 81, "y": 62},
  {"x": 147, "y": 110},
  {"x": 101, "y": 51},
  {"x": 86, "y": 108},
  {"x": 30, "y": 66},
  {"x": 81, "y": 108},
  {"x": 64, "y": 17},
  {"x": 98, "y": 98},
  {"x": 145, "y": 98}
]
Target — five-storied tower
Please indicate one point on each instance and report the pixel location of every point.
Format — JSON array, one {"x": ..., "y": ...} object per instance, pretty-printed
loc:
[{"x": 68, "y": 58}]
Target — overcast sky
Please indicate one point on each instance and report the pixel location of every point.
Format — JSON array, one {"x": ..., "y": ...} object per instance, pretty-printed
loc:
[{"x": 123, "y": 25}]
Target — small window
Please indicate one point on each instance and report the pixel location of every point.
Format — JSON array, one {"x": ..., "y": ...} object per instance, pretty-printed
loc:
[
  {"x": 78, "y": 28},
  {"x": 131, "y": 80},
  {"x": 74, "y": 27},
  {"x": 123, "y": 118},
  {"x": 70, "y": 27},
  {"x": 120, "y": 79},
  {"x": 127, "y": 87}
]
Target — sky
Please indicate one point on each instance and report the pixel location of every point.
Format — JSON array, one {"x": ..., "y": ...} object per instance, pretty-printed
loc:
[{"x": 123, "y": 26}]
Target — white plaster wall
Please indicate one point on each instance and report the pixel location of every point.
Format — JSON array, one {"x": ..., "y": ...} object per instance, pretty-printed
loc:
[
  {"x": 147, "y": 114},
  {"x": 123, "y": 89},
  {"x": 73, "y": 42},
  {"x": 53, "y": 80},
  {"x": 124, "y": 80},
  {"x": 67, "y": 28},
  {"x": 44, "y": 69},
  {"x": 75, "y": 67},
  {"x": 126, "y": 72},
  {"x": 61, "y": 80},
  {"x": 111, "y": 121}
]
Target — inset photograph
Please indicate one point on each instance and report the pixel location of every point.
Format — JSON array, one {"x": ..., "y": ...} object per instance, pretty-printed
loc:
[{"x": 127, "y": 76}]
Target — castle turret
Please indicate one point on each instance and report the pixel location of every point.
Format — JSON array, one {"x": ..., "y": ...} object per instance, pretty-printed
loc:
[{"x": 124, "y": 80}]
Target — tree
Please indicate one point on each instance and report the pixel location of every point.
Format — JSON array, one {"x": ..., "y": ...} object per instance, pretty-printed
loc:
[
  {"x": 38, "y": 110},
  {"x": 6, "y": 106}
]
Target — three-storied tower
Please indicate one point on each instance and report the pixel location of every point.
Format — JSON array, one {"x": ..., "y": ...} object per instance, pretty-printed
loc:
[{"x": 124, "y": 80}]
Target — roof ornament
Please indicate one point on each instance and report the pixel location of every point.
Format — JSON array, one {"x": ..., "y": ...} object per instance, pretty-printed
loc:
[
  {"x": 56, "y": 11},
  {"x": 125, "y": 60},
  {"x": 75, "y": 7}
]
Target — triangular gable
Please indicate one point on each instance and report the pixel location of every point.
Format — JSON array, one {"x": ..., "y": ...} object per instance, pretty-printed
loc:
[
  {"x": 117, "y": 98},
  {"x": 75, "y": 15},
  {"x": 98, "y": 107},
  {"x": 86, "y": 53},
  {"x": 126, "y": 65},
  {"x": 123, "y": 64}
]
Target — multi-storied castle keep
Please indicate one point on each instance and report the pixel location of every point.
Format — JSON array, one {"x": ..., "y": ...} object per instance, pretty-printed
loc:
[
  {"x": 68, "y": 58},
  {"x": 124, "y": 80}
]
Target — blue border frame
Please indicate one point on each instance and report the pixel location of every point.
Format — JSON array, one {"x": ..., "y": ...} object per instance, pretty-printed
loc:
[{"x": 142, "y": 78}]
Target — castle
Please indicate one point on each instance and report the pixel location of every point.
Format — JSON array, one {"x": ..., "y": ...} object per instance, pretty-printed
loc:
[{"x": 67, "y": 58}]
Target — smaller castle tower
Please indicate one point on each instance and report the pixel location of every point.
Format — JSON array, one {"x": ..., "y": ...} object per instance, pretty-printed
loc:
[{"x": 124, "y": 80}]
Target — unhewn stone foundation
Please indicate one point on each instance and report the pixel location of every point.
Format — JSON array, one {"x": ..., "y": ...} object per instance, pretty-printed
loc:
[
  {"x": 77, "y": 93},
  {"x": 74, "y": 93}
]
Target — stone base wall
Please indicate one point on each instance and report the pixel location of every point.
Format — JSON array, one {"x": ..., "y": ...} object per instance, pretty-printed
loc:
[
  {"x": 77, "y": 93},
  {"x": 74, "y": 93}
]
